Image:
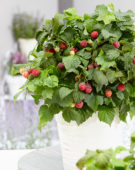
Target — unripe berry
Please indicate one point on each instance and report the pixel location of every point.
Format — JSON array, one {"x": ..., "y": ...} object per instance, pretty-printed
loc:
[
  {"x": 22, "y": 70},
  {"x": 72, "y": 52},
  {"x": 73, "y": 105},
  {"x": 25, "y": 74},
  {"x": 90, "y": 66},
  {"x": 108, "y": 93},
  {"x": 57, "y": 49}
]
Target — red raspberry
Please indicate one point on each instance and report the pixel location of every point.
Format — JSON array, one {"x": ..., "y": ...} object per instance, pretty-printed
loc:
[
  {"x": 35, "y": 73},
  {"x": 25, "y": 74},
  {"x": 121, "y": 87},
  {"x": 63, "y": 46},
  {"x": 83, "y": 43},
  {"x": 94, "y": 34},
  {"x": 108, "y": 93},
  {"x": 79, "y": 105},
  {"x": 30, "y": 70},
  {"x": 88, "y": 89},
  {"x": 134, "y": 61},
  {"x": 50, "y": 50},
  {"x": 116, "y": 44},
  {"x": 75, "y": 50},
  {"x": 90, "y": 66},
  {"x": 61, "y": 66},
  {"x": 82, "y": 86},
  {"x": 95, "y": 65}
]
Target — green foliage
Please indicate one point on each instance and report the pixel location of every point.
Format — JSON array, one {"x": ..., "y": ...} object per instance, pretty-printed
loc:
[
  {"x": 109, "y": 159},
  {"x": 25, "y": 25},
  {"x": 59, "y": 89}
]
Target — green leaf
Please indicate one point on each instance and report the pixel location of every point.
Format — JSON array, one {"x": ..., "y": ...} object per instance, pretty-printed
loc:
[
  {"x": 120, "y": 149},
  {"x": 120, "y": 95},
  {"x": 71, "y": 12},
  {"x": 110, "y": 33},
  {"x": 45, "y": 116},
  {"x": 124, "y": 108},
  {"x": 100, "y": 78},
  {"x": 104, "y": 14},
  {"x": 84, "y": 54},
  {"x": 47, "y": 93},
  {"x": 51, "y": 81},
  {"x": 93, "y": 101},
  {"x": 101, "y": 60},
  {"x": 31, "y": 86},
  {"x": 71, "y": 62},
  {"x": 106, "y": 114},
  {"x": 78, "y": 96},
  {"x": 64, "y": 91},
  {"x": 112, "y": 76}
]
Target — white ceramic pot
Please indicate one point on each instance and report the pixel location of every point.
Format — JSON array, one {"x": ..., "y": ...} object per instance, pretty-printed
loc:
[
  {"x": 26, "y": 45},
  {"x": 92, "y": 134}
]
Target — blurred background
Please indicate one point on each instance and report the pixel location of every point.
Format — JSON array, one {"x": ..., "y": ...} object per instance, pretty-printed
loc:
[{"x": 19, "y": 21}]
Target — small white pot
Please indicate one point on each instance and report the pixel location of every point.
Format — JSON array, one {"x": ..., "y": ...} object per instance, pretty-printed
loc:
[
  {"x": 26, "y": 45},
  {"x": 92, "y": 134}
]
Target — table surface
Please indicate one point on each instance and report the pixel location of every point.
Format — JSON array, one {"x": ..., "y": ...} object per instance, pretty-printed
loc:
[{"x": 44, "y": 159}]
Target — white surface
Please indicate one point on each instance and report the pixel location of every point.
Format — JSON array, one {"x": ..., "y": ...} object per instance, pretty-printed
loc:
[
  {"x": 14, "y": 83},
  {"x": 9, "y": 158},
  {"x": 92, "y": 134},
  {"x": 26, "y": 45},
  {"x": 44, "y": 159}
]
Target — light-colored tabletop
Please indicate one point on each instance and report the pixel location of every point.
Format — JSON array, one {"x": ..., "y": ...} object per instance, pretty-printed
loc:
[{"x": 44, "y": 159}]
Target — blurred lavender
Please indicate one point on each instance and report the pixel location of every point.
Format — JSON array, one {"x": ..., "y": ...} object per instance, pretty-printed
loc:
[{"x": 17, "y": 58}]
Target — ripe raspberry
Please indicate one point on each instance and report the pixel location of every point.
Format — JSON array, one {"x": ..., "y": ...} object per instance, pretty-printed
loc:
[
  {"x": 30, "y": 70},
  {"x": 108, "y": 93},
  {"x": 134, "y": 61},
  {"x": 75, "y": 50},
  {"x": 22, "y": 70},
  {"x": 72, "y": 52},
  {"x": 95, "y": 65},
  {"x": 94, "y": 34},
  {"x": 88, "y": 89},
  {"x": 82, "y": 86},
  {"x": 121, "y": 87},
  {"x": 25, "y": 74},
  {"x": 35, "y": 72},
  {"x": 116, "y": 44},
  {"x": 83, "y": 43},
  {"x": 50, "y": 50},
  {"x": 90, "y": 66},
  {"x": 79, "y": 105},
  {"x": 63, "y": 46},
  {"x": 61, "y": 66}
]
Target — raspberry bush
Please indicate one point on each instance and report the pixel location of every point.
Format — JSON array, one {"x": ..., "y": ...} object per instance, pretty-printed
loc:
[{"x": 84, "y": 64}]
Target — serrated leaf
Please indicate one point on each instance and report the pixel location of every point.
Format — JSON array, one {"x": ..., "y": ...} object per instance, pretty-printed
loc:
[
  {"x": 84, "y": 54},
  {"x": 47, "y": 93},
  {"x": 64, "y": 91},
  {"x": 100, "y": 78},
  {"x": 45, "y": 116},
  {"x": 51, "y": 81},
  {"x": 101, "y": 60},
  {"x": 113, "y": 75},
  {"x": 106, "y": 114},
  {"x": 71, "y": 62}
]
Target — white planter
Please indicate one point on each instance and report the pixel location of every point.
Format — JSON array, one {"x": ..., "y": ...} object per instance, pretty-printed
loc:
[
  {"x": 26, "y": 45},
  {"x": 92, "y": 134}
]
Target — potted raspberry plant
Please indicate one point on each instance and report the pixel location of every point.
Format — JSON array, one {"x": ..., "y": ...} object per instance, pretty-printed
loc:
[{"x": 84, "y": 70}]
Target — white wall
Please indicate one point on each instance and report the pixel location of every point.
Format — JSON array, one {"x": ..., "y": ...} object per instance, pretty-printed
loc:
[
  {"x": 45, "y": 8},
  {"x": 88, "y": 6}
]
